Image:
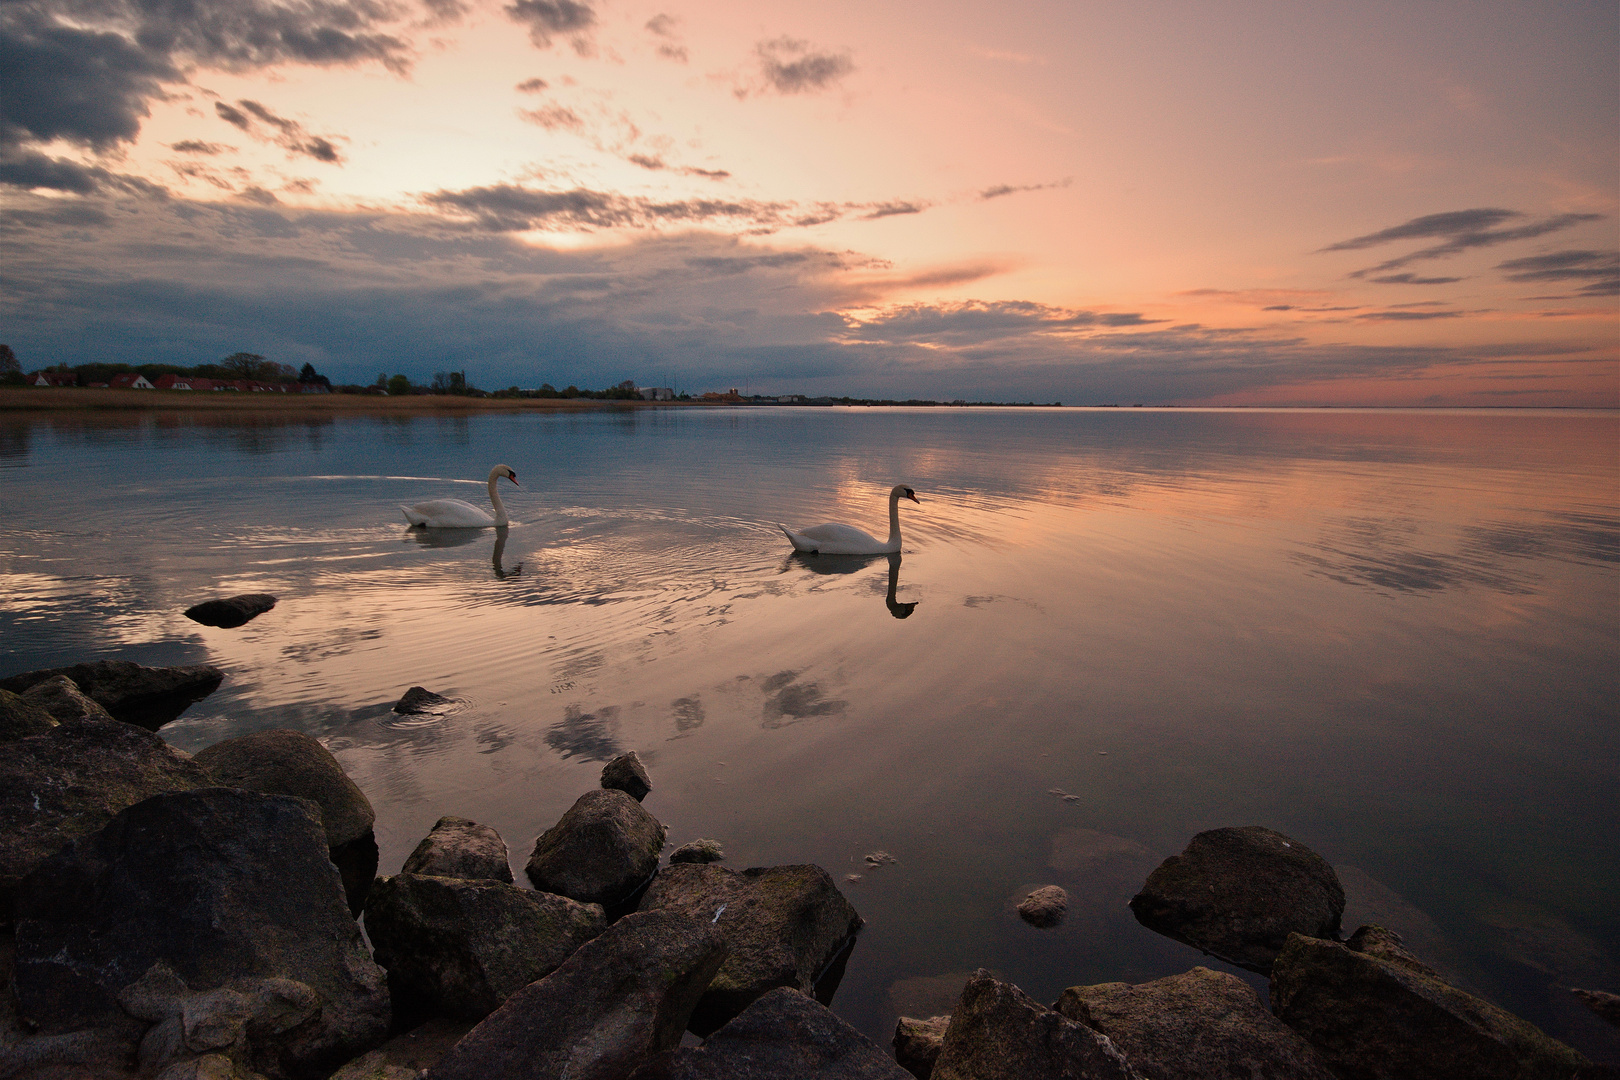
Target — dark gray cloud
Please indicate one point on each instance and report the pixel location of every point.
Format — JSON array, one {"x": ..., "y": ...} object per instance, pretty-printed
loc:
[
  {"x": 668, "y": 40},
  {"x": 790, "y": 66},
  {"x": 1408, "y": 316},
  {"x": 893, "y": 209},
  {"x": 1599, "y": 270},
  {"x": 532, "y": 86},
  {"x": 87, "y": 87},
  {"x": 1002, "y": 190},
  {"x": 287, "y": 134},
  {"x": 1458, "y": 231},
  {"x": 1412, "y": 279},
  {"x": 548, "y": 19},
  {"x": 554, "y": 118},
  {"x": 28, "y": 169},
  {"x": 197, "y": 146}
]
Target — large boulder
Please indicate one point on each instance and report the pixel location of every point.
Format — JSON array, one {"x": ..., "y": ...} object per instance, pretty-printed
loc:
[
  {"x": 147, "y": 696},
  {"x": 626, "y": 773},
  {"x": 783, "y": 1034},
  {"x": 462, "y": 849},
  {"x": 1200, "y": 1025},
  {"x": 917, "y": 1044},
  {"x": 284, "y": 762},
  {"x": 784, "y": 925},
  {"x": 216, "y": 899},
  {"x": 70, "y": 781},
  {"x": 601, "y": 851},
  {"x": 458, "y": 947},
  {"x": 231, "y": 611},
  {"x": 1238, "y": 894},
  {"x": 621, "y": 998},
  {"x": 61, "y": 697},
  {"x": 1377, "y": 1014},
  {"x": 20, "y": 718},
  {"x": 997, "y": 1032}
]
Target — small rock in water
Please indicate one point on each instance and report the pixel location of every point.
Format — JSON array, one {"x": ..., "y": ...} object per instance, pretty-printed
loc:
[
  {"x": 232, "y": 611},
  {"x": 419, "y": 700},
  {"x": 880, "y": 858},
  {"x": 1045, "y": 906},
  {"x": 852, "y": 878},
  {"x": 698, "y": 851},
  {"x": 625, "y": 773},
  {"x": 1071, "y": 798}
]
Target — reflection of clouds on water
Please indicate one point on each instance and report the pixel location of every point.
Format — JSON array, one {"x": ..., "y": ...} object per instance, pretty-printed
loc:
[
  {"x": 338, "y": 641},
  {"x": 788, "y": 701},
  {"x": 591, "y": 736},
  {"x": 1391, "y": 553},
  {"x": 688, "y": 713}
]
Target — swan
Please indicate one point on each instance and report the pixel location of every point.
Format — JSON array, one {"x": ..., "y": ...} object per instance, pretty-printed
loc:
[
  {"x": 455, "y": 514},
  {"x": 837, "y": 539}
]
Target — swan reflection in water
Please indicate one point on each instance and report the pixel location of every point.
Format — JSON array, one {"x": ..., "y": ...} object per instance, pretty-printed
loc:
[
  {"x": 450, "y": 538},
  {"x": 849, "y": 564}
]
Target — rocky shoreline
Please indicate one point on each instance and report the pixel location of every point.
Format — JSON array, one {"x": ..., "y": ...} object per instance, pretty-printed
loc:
[{"x": 200, "y": 918}]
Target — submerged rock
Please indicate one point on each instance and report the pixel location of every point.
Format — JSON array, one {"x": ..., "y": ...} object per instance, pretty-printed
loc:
[
  {"x": 144, "y": 696},
  {"x": 783, "y": 925},
  {"x": 600, "y": 852},
  {"x": 61, "y": 698},
  {"x": 625, "y": 773},
  {"x": 1373, "y": 1015},
  {"x": 698, "y": 851},
  {"x": 232, "y": 611},
  {"x": 201, "y": 895},
  {"x": 783, "y": 1034},
  {"x": 460, "y": 848},
  {"x": 1238, "y": 894},
  {"x": 1201, "y": 1025},
  {"x": 20, "y": 718},
  {"x": 917, "y": 1044},
  {"x": 70, "y": 781},
  {"x": 997, "y": 1032},
  {"x": 618, "y": 1000},
  {"x": 1045, "y": 906},
  {"x": 459, "y": 947},
  {"x": 405, "y": 1056},
  {"x": 419, "y": 700}
]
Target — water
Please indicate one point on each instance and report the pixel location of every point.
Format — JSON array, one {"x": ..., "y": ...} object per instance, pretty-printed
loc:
[{"x": 1392, "y": 636}]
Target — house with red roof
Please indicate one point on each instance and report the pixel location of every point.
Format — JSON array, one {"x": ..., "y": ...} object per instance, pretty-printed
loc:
[
  {"x": 53, "y": 378},
  {"x": 129, "y": 380}
]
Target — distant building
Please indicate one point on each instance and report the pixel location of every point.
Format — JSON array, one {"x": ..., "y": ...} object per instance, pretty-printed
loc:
[
  {"x": 177, "y": 382},
  {"x": 129, "y": 381},
  {"x": 656, "y": 393},
  {"x": 53, "y": 378}
]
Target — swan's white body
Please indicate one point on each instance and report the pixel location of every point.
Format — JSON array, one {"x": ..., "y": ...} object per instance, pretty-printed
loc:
[
  {"x": 836, "y": 539},
  {"x": 456, "y": 514}
]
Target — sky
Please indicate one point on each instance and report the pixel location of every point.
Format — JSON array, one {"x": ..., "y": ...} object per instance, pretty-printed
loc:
[{"x": 1232, "y": 203}]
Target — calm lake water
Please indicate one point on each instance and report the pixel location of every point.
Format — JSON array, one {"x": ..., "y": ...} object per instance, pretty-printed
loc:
[{"x": 1392, "y": 635}]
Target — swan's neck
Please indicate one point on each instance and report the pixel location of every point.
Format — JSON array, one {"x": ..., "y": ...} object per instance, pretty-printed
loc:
[
  {"x": 495, "y": 497},
  {"x": 894, "y": 522}
]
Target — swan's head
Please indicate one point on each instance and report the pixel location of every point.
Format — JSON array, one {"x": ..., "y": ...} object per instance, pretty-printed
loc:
[
  {"x": 902, "y": 492},
  {"x": 500, "y": 471}
]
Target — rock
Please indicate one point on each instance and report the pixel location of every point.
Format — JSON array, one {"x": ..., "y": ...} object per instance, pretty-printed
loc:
[
  {"x": 418, "y": 700},
  {"x": 61, "y": 698},
  {"x": 1238, "y": 894},
  {"x": 625, "y": 773},
  {"x": 601, "y": 851},
  {"x": 698, "y": 851},
  {"x": 283, "y": 762},
  {"x": 783, "y": 925},
  {"x": 405, "y": 1056},
  {"x": 1602, "y": 1002},
  {"x": 70, "y": 781},
  {"x": 618, "y": 1000},
  {"x": 460, "y": 848},
  {"x": 232, "y": 611},
  {"x": 1372, "y": 1017},
  {"x": 783, "y": 1034},
  {"x": 1045, "y": 906},
  {"x": 1201, "y": 1025},
  {"x": 193, "y": 897},
  {"x": 997, "y": 1032},
  {"x": 459, "y": 947},
  {"x": 20, "y": 718},
  {"x": 917, "y": 1044},
  {"x": 145, "y": 696}
]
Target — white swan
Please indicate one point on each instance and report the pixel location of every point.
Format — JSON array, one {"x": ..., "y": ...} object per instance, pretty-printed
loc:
[
  {"x": 455, "y": 514},
  {"x": 837, "y": 539}
]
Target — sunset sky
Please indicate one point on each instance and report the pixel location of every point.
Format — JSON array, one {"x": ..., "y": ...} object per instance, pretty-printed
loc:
[{"x": 1217, "y": 203}]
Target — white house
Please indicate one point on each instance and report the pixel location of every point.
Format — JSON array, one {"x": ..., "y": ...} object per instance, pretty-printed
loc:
[{"x": 656, "y": 393}]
